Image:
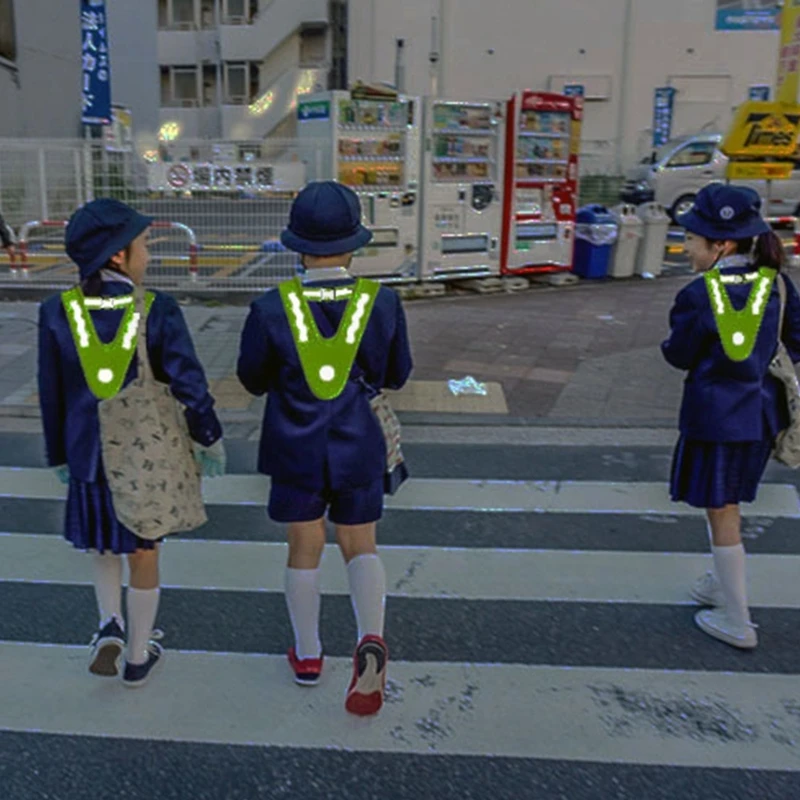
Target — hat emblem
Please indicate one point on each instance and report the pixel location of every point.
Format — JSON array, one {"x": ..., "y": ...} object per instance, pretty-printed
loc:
[{"x": 727, "y": 213}]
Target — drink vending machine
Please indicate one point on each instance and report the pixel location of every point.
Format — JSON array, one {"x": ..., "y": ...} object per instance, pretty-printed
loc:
[
  {"x": 462, "y": 212},
  {"x": 541, "y": 182},
  {"x": 373, "y": 146}
]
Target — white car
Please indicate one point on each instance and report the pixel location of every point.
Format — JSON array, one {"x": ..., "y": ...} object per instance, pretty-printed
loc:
[{"x": 676, "y": 172}]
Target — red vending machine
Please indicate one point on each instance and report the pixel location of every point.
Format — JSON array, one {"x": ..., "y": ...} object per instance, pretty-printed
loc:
[{"x": 543, "y": 137}]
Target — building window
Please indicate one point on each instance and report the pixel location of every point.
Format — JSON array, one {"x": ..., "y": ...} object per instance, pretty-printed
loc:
[
  {"x": 239, "y": 12},
  {"x": 236, "y": 91},
  {"x": 185, "y": 83},
  {"x": 166, "y": 89},
  {"x": 8, "y": 39},
  {"x": 183, "y": 14}
]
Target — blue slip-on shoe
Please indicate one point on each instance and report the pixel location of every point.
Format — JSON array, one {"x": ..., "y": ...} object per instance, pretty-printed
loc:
[{"x": 136, "y": 675}]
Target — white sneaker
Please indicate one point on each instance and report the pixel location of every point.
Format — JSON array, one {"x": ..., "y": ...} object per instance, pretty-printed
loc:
[
  {"x": 707, "y": 590},
  {"x": 715, "y": 622}
]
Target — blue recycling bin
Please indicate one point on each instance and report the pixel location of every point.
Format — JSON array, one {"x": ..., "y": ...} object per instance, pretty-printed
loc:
[{"x": 595, "y": 233}]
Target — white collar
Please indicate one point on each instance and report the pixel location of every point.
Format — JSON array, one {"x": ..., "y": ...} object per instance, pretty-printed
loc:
[
  {"x": 318, "y": 274},
  {"x": 737, "y": 260},
  {"x": 115, "y": 277}
]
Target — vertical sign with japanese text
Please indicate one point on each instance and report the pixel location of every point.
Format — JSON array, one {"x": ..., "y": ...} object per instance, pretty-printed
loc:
[
  {"x": 789, "y": 53},
  {"x": 663, "y": 104},
  {"x": 96, "y": 70}
]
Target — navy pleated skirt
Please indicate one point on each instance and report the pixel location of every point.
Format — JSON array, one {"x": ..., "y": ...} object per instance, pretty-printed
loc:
[
  {"x": 717, "y": 474},
  {"x": 91, "y": 523}
]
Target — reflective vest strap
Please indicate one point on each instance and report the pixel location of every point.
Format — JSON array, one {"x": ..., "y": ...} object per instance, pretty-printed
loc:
[
  {"x": 104, "y": 366},
  {"x": 738, "y": 330},
  {"x": 327, "y": 362}
]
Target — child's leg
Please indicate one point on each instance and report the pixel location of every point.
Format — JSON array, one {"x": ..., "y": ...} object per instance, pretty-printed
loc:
[
  {"x": 729, "y": 560},
  {"x": 107, "y": 570},
  {"x": 366, "y": 576},
  {"x": 143, "y": 596},
  {"x": 302, "y": 584}
]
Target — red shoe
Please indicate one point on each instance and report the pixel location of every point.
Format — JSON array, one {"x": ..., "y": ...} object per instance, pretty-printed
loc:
[
  {"x": 365, "y": 694},
  {"x": 306, "y": 670}
]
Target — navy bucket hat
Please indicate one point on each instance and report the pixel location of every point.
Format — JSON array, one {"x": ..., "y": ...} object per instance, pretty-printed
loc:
[
  {"x": 725, "y": 212},
  {"x": 325, "y": 220},
  {"x": 100, "y": 229}
]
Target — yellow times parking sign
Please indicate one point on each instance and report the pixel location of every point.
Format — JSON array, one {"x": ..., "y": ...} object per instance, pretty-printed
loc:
[{"x": 763, "y": 129}]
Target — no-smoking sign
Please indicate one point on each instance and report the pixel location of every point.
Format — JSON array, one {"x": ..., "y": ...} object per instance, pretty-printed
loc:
[{"x": 179, "y": 176}]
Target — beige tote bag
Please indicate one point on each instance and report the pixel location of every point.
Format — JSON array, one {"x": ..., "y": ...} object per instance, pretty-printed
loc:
[{"x": 147, "y": 453}]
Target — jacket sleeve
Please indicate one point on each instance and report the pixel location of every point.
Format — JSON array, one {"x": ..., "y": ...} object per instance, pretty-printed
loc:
[
  {"x": 254, "y": 366},
  {"x": 51, "y": 394},
  {"x": 6, "y": 234},
  {"x": 686, "y": 337},
  {"x": 790, "y": 335},
  {"x": 175, "y": 362},
  {"x": 400, "y": 363}
]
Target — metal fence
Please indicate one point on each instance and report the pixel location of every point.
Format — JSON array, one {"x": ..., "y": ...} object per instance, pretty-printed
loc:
[{"x": 219, "y": 207}]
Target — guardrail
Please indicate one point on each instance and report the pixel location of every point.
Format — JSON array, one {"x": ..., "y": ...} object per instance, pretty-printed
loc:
[{"x": 24, "y": 251}]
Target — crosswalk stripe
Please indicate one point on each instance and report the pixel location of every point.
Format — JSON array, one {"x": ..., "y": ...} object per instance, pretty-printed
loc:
[
  {"x": 422, "y": 572},
  {"x": 599, "y": 497},
  {"x": 589, "y": 714}
]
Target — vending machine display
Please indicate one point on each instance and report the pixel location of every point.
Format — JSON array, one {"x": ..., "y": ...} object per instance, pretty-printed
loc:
[
  {"x": 373, "y": 146},
  {"x": 462, "y": 209},
  {"x": 541, "y": 182}
]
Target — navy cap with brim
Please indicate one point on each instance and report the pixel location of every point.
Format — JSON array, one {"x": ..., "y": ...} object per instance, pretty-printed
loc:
[
  {"x": 719, "y": 230},
  {"x": 327, "y": 247},
  {"x": 99, "y": 230}
]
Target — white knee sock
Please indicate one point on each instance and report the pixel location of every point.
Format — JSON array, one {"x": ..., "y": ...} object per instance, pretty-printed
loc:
[
  {"x": 303, "y": 601},
  {"x": 368, "y": 593},
  {"x": 142, "y": 608},
  {"x": 730, "y": 565},
  {"x": 107, "y": 570}
]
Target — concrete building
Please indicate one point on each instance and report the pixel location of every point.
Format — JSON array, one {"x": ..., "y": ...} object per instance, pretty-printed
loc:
[
  {"x": 233, "y": 69},
  {"x": 620, "y": 50},
  {"x": 40, "y": 69}
]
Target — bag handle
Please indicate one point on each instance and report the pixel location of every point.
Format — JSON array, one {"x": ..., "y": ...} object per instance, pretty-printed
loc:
[
  {"x": 142, "y": 359},
  {"x": 782, "y": 294}
]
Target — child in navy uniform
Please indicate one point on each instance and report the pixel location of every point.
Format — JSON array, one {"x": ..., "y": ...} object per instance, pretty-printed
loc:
[
  {"x": 732, "y": 407},
  {"x": 327, "y": 455},
  {"x": 108, "y": 241}
]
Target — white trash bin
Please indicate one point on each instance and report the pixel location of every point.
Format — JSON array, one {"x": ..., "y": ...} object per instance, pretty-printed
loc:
[
  {"x": 650, "y": 259},
  {"x": 623, "y": 256}
]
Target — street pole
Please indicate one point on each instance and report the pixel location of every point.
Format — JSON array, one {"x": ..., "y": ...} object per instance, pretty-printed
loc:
[{"x": 624, "y": 82}]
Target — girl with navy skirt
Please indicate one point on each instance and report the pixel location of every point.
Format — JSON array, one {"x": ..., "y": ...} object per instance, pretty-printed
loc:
[
  {"x": 108, "y": 241},
  {"x": 724, "y": 333}
]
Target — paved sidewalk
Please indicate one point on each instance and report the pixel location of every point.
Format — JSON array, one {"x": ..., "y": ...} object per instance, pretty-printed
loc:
[{"x": 585, "y": 355}]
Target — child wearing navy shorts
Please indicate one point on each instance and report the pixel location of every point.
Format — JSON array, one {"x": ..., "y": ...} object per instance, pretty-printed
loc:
[
  {"x": 724, "y": 334},
  {"x": 320, "y": 347}
]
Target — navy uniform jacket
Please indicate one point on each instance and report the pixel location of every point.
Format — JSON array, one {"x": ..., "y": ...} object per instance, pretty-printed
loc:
[
  {"x": 69, "y": 409},
  {"x": 317, "y": 444},
  {"x": 725, "y": 400}
]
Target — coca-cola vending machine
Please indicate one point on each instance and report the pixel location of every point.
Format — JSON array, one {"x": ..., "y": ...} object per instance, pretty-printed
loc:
[{"x": 543, "y": 137}]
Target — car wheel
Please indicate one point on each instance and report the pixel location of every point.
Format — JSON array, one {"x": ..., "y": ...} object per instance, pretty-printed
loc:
[{"x": 683, "y": 204}]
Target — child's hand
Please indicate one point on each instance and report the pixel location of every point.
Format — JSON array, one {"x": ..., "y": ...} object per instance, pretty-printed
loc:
[
  {"x": 212, "y": 460},
  {"x": 62, "y": 473}
]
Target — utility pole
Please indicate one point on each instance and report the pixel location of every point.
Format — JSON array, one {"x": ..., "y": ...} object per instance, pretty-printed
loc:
[{"x": 624, "y": 83}]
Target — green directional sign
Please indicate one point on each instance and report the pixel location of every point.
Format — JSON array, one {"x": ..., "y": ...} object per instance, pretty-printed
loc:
[{"x": 315, "y": 109}]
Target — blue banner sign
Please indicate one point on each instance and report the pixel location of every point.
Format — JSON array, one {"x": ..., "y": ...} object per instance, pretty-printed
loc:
[
  {"x": 96, "y": 70},
  {"x": 748, "y": 15},
  {"x": 663, "y": 105},
  {"x": 574, "y": 90},
  {"x": 759, "y": 93}
]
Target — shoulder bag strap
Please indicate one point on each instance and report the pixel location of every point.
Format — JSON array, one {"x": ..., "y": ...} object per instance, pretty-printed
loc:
[{"x": 782, "y": 294}]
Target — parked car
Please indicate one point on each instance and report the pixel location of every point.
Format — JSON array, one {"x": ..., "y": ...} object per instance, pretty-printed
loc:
[{"x": 675, "y": 173}]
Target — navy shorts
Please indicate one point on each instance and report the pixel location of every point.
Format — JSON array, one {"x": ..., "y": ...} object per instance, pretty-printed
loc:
[{"x": 359, "y": 506}]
